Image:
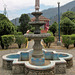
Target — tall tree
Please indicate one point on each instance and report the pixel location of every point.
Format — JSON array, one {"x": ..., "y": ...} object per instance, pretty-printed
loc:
[
  {"x": 6, "y": 27},
  {"x": 53, "y": 27},
  {"x": 67, "y": 26},
  {"x": 24, "y": 26},
  {"x": 69, "y": 14}
]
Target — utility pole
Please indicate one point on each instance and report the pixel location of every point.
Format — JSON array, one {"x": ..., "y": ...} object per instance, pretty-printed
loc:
[
  {"x": 59, "y": 42},
  {"x": 5, "y": 12}
]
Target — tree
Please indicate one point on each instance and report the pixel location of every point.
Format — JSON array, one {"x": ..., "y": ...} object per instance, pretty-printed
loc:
[
  {"x": 53, "y": 28},
  {"x": 69, "y": 14},
  {"x": 3, "y": 17},
  {"x": 67, "y": 26},
  {"x": 20, "y": 39},
  {"x": 24, "y": 26},
  {"x": 6, "y": 27}
]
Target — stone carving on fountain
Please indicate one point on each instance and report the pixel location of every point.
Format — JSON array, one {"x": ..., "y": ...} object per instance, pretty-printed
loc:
[{"x": 37, "y": 36}]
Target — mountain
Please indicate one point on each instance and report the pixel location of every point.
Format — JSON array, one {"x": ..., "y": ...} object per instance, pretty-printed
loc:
[
  {"x": 52, "y": 13},
  {"x": 15, "y": 21}
]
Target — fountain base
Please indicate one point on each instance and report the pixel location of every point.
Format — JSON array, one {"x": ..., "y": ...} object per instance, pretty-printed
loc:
[
  {"x": 38, "y": 61},
  {"x": 54, "y": 63}
]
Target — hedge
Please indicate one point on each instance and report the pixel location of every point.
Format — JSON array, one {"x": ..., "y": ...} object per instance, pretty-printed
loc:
[
  {"x": 7, "y": 40},
  {"x": 48, "y": 41},
  {"x": 66, "y": 39},
  {"x": 18, "y": 33},
  {"x": 50, "y": 33},
  {"x": 20, "y": 39},
  {"x": 73, "y": 39}
]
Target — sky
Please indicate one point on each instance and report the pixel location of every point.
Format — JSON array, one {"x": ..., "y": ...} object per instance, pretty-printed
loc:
[{"x": 17, "y": 7}]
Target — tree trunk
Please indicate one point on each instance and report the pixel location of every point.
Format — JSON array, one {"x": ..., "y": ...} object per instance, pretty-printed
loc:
[
  {"x": 2, "y": 45},
  {"x": 49, "y": 45},
  {"x": 74, "y": 43},
  {"x": 46, "y": 44},
  {"x": 67, "y": 47},
  {"x": 19, "y": 46}
]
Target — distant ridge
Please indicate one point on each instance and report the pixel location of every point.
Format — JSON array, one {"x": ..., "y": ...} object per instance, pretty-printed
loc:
[{"x": 51, "y": 13}]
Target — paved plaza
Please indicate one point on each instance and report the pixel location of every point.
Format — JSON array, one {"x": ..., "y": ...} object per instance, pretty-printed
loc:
[{"x": 70, "y": 71}]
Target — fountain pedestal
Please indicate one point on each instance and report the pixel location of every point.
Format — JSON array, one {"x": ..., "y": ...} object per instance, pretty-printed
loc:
[{"x": 37, "y": 55}]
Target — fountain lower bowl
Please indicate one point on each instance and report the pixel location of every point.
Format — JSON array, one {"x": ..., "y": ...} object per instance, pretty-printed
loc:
[{"x": 20, "y": 61}]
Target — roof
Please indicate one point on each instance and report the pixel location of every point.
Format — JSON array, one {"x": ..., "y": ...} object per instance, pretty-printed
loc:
[
  {"x": 41, "y": 18},
  {"x": 43, "y": 31}
]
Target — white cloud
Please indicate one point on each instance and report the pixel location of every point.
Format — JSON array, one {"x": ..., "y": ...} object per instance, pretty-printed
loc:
[
  {"x": 15, "y": 7},
  {"x": 54, "y": 2},
  {"x": 19, "y": 4}
]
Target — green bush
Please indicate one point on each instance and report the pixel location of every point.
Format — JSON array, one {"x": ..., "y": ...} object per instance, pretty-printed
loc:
[
  {"x": 66, "y": 39},
  {"x": 48, "y": 41},
  {"x": 20, "y": 39},
  {"x": 18, "y": 33},
  {"x": 73, "y": 39},
  {"x": 32, "y": 29},
  {"x": 50, "y": 33},
  {"x": 7, "y": 40},
  {"x": 73, "y": 34}
]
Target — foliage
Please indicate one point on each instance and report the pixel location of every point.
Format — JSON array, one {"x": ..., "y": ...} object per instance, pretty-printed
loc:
[
  {"x": 20, "y": 39},
  {"x": 6, "y": 27},
  {"x": 32, "y": 29},
  {"x": 7, "y": 40},
  {"x": 3, "y": 17},
  {"x": 24, "y": 26},
  {"x": 69, "y": 14},
  {"x": 66, "y": 39},
  {"x": 73, "y": 39},
  {"x": 48, "y": 40},
  {"x": 50, "y": 32},
  {"x": 17, "y": 28},
  {"x": 18, "y": 33},
  {"x": 67, "y": 26},
  {"x": 53, "y": 28}
]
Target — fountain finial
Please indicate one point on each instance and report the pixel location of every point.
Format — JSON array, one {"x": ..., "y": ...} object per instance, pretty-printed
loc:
[{"x": 37, "y": 5}]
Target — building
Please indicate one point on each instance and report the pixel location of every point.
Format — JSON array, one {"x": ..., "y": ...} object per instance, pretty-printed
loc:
[{"x": 46, "y": 20}]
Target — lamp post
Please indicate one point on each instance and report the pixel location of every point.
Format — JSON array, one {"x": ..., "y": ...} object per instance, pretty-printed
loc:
[{"x": 59, "y": 42}]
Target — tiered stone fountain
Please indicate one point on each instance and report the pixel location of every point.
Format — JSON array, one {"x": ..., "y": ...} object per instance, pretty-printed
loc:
[{"x": 37, "y": 61}]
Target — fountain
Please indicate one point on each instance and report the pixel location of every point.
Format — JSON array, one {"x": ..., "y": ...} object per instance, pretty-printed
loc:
[{"x": 37, "y": 61}]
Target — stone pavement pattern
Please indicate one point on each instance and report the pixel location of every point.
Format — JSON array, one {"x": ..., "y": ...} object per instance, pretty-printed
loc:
[{"x": 70, "y": 71}]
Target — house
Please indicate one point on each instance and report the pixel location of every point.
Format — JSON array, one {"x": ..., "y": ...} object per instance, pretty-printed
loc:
[{"x": 46, "y": 20}]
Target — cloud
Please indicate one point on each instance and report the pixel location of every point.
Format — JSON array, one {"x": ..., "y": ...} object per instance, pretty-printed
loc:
[
  {"x": 19, "y": 4},
  {"x": 17, "y": 7}
]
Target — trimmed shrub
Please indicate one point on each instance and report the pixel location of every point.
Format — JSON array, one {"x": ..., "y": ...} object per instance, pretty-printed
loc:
[
  {"x": 50, "y": 33},
  {"x": 73, "y": 39},
  {"x": 48, "y": 41},
  {"x": 7, "y": 40},
  {"x": 66, "y": 39},
  {"x": 18, "y": 33},
  {"x": 20, "y": 39}
]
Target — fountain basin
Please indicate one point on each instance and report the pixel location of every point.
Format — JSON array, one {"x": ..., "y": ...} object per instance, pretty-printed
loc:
[{"x": 19, "y": 59}]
